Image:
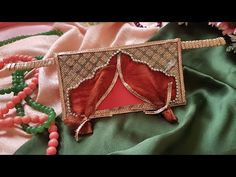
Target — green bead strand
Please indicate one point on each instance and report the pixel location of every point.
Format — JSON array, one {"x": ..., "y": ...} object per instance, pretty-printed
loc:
[
  {"x": 39, "y": 57},
  {"x": 18, "y": 84},
  {"x": 17, "y": 87},
  {"x": 17, "y": 77},
  {"x": 14, "y": 39},
  {"x": 5, "y": 91},
  {"x": 19, "y": 110},
  {"x": 39, "y": 107}
]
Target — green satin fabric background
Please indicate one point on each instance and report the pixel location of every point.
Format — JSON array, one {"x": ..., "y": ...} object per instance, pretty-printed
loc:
[{"x": 207, "y": 124}]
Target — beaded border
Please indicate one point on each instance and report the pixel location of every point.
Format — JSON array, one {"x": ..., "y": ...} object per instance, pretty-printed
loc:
[
  {"x": 72, "y": 113},
  {"x": 122, "y": 50}
]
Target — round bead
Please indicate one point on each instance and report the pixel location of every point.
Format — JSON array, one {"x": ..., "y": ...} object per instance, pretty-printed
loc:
[
  {"x": 35, "y": 80},
  {"x": 27, "y": 90},
  {"x": 22, "y": 95},
  {"x": 39, "y": 129},
  {"x": 10, "y": 105},
  {"x": 17, "y": 120},
  {"x": 51, "y": 151},
  {"x": 6, "y": 60},
  {"x": 21, "y": 113},
  {"x": 44, "y": 108},
  {"x": 29, "y": 129},
  {"x": 9, "y": 122},
  {"x": 16, "y": 99},
  {"x": 32, "y": 85},
  {"x": 35, "y": 119},
  {"x": 1, "y": 122},
  {"x": 53, "y": 128},
  {"x": 23, "y": 58},
  {"x": 26, "y": 119},
  {"x": 53, "y": 143},
  {"x": 27, "y": 58},
  {"x": 4, "y": 110},
  {"x": 36, "y": 75},
  {"x": 52, "y": 114},
  {"x": 1, "y": 64},
  {"x": 20, "y": 57},
  {"x": 47, "y": 124},
  {"x": 36, "y": 70},
  {"x": 33, "y": 104},
  {"x": 42, "y": 119},
  {"x": 16, "y": 56},
  {"x": 1, "y": 114},
  {"x": 10, "y": 59},
  {"x": 54, "y": 135},
  {"x": 33, "y": 130}
]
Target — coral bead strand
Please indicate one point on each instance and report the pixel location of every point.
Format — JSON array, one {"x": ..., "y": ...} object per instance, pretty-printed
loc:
[
  {"x": 53, "y": 134},
  {"x": 22, "y": 91},
  {"x": 14, "y": 59},
  {"x": 20, "y": 96},
  {"x": 12, "y": 121},
  {"x": 53, "y": 140},
  {"x": 24, "y": 94},
  {"x": 39, "y": 107}
]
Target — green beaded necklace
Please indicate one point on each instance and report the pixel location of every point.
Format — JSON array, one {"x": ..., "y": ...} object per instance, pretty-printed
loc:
[
  {"x": 14, "y": 39},
  {"x": 18, "y": 84}
]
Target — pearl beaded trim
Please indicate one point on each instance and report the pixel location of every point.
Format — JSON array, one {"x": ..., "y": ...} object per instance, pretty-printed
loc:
[{"x": 68, "y": 105}]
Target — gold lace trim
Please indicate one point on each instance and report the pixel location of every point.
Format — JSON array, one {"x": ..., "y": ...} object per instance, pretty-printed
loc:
[{"x": 122, "y": 110}]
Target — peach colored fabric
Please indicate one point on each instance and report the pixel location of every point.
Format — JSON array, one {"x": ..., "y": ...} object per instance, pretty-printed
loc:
[
  {"x": 12, "y": 139},
  {"x": 13, "y": 29},
  {"x": 76, "y": 37}
]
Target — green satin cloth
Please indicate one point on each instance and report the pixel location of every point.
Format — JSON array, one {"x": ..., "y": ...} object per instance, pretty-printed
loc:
[{"x": 207, "y": 124}]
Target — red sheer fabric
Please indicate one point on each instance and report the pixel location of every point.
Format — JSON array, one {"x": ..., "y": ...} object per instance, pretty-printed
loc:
[
  {"x": 119, "y": 96},
  {"x": 149, "y": 84}
]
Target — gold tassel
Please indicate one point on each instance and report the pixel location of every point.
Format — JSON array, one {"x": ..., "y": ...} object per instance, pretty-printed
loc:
[
  {"x": 168, "y": 99},
  {"x": 80, "y": 127}
]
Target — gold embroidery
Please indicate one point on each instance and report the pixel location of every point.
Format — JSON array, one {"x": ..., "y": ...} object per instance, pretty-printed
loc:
[
  {"x": 159, "y": 56},
  {"x": 164, "y": 56},
  {"x": 180, "y": 91},
  {"x": 122, "y": 110}
]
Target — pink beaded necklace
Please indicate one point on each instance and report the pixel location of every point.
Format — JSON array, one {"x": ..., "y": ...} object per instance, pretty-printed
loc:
[{"x": 39, "y": 122}]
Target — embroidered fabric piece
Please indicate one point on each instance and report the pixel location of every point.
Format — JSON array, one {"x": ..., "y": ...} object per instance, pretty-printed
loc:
[
  {"x": 151, "y": 72},
  {"x": 80, "y": 72}
]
